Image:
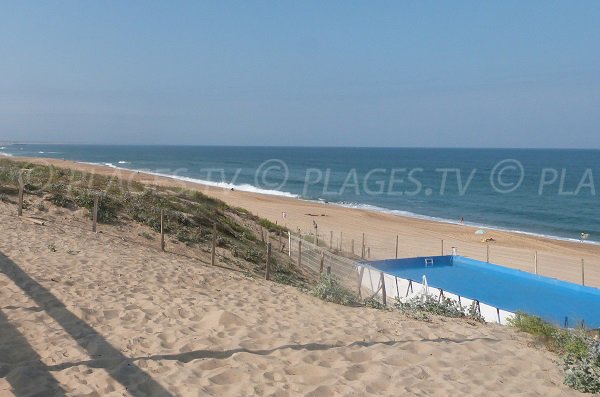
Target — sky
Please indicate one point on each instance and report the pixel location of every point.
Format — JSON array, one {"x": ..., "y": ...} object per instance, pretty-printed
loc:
[{"x": 302, "y": 73}]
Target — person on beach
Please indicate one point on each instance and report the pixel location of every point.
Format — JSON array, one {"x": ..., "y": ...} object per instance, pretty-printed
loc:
[{"x": 462, "y": 220}]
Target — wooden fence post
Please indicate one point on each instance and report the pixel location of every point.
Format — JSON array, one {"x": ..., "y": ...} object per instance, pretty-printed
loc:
[
  {"x": 362, "y": 252},
  {"x": 582, "y": 272},
  {"x": 442, "y": 247},
  {"x": 535, "y": 266},
  {"x": 213, "y": 251},
  {"x": 299, "y": 253},
  {"x": 95, "y": 214},
  {"x": 322, "y": 262},
  {"x": 352, "y": 246},
  {"x": 21, "y": 192},
  {"x": 487, "y": 253},
  {"x": 329, "y": 270},
  {"x": 341, "y": 245},
  {"x": 268, "y": 269},
  {"x": 396, "y": 246},
  {"x": 316, "y": 235},
  {"x": 289, "y": 244},
  {"x": 383, "y": 293},
  {"x": 331, "y": 239},
  {"x": 162, "y": 230}
]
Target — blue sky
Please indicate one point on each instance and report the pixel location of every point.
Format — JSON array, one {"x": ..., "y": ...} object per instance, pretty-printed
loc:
[{"x": 348, "y": 73}]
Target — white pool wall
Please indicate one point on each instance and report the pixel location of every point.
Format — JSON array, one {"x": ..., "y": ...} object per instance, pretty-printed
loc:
[{"x": 401, "y": 289}]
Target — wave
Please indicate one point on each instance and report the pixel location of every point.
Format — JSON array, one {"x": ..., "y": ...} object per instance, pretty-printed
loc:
[
  {"x": 6, "y": 154},
  {"x": 223, "y": 185},
  {"x": 368, "y": 207},
  {"x": 408, "y": 214},
  {"x": 226, "y": 185}
]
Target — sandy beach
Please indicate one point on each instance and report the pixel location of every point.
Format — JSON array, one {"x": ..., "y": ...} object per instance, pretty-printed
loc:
[
  {"x": 555, "y": 258},
  {"x": 99, "y": 315},
  {"x": 307, "y": 199}
]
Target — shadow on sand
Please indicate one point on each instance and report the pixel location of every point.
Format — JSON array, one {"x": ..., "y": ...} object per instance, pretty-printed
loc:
[{"x": 21, "y": 365}]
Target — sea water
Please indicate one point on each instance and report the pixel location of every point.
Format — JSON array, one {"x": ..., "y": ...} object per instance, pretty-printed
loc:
[{"x": 547, "y": 192}]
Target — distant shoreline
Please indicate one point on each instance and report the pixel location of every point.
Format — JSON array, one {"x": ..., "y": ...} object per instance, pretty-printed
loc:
[
  {"x": 352, "y": 206},
  {"x": 417, "y": 236}
]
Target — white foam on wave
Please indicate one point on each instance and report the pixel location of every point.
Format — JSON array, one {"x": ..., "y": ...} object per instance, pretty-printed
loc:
[
  {"x": 223, "y": 185},
  {"x": 111, "y": 165},
  {"x": 368, "y": 207},
  {"x": 226, "y": 185},
  {"x": 6, "y": 154},
  {"x": 124, "y": 162},
  {"x": 408, "y": 214}
]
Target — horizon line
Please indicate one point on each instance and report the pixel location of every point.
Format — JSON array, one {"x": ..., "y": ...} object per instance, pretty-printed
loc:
[{"x": 292, "y": 146}]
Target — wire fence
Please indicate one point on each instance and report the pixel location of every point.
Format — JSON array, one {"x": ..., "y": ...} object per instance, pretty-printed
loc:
[
  {"x": 569, "y": 263},
  {"x": 340, "y": 251},
  {"x": 319, "y": 259}
]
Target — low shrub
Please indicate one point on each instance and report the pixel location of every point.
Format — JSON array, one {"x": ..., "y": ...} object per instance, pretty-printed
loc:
[
  {"x": 146, "y": 235},
  {"x": 60, "y": 200},
  {"x": 373, "y": 303},
  {"x": 580, "y": 353},
  {"x": 533, "y": 325},
  {"x": 583, "y": 373},
  {"x": 108, "y": 208},
  {"x": 446, "y": 307},
  {"x": 329, "y": 289},
  {"x": 272, "y": 227}
]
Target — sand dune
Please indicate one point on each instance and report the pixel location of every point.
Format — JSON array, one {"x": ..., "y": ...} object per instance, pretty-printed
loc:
[{"x": 104, "y": 317}]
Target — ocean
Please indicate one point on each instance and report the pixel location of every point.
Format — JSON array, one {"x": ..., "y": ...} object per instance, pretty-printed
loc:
[{"x": 553, "y": 193}]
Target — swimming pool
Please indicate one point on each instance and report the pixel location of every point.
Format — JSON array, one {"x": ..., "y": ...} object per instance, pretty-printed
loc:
[{"x": 509, "y": 290}]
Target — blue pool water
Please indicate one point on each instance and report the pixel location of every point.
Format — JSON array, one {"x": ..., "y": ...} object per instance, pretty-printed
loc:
[{"x": 504, "y": 288}]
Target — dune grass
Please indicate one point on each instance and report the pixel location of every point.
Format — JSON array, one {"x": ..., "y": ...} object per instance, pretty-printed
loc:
[
  {"x": 330, "y": 289},
  {"x": 580, "y": 351},
  {"x": 189, "y": 215}
]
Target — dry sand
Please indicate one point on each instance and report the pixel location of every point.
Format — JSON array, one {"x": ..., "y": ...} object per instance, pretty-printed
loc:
[
  {"x": 556, "y": 258},
  {"x": 104, "y": 317}
]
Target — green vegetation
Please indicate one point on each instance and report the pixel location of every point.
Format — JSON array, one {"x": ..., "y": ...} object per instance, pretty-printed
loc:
[
  {"x": 419, "y": 307},
  {"x": 146, "y": 235},
  {"x": 373, "y": 303},
  {"x": 329, "y": 289},
  {"x": 272, "y": 227},
  {"x": 189, "y": 216},
  {"x": 580, "y": 352}
]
